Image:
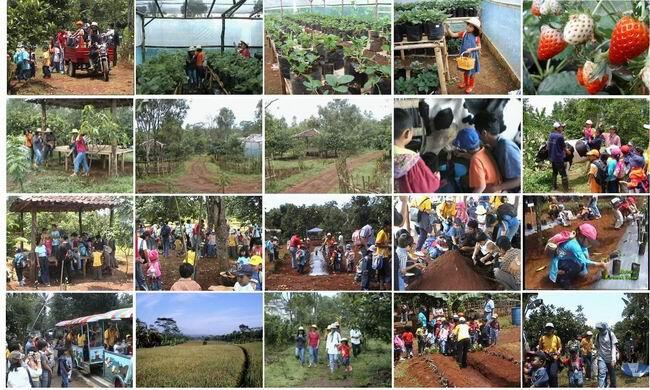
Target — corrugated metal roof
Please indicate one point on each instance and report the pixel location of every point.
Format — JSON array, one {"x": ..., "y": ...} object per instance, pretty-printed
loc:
[{"x": 62, "y": 203}]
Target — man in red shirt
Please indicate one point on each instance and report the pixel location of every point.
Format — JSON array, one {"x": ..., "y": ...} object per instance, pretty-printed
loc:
[
  {"x": 294, "y": 243},
  {"x": 313, "y": 342},
  {"x": 197, "y": 235},
  {"x": 407, "y": 337}
]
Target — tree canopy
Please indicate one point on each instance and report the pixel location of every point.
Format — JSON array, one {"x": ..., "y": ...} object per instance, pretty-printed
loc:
[
  {"x": 285, "y": 312},
  {"x": 331, "y": 216}
]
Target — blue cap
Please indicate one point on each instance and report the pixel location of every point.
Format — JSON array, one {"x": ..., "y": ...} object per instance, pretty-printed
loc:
[
  {"x": 245, "y": 269},
  {"x": 467, "y": 139}
]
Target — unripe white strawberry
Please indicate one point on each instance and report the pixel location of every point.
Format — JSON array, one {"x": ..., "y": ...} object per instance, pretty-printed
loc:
[
  {"x": 579, "y": 29},
  {"x": 550, "y": 7},
  {"x": 645, "y": 75}
]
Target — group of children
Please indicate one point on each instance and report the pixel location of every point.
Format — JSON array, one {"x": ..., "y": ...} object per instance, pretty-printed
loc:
[{"x": 624, "y": 208}]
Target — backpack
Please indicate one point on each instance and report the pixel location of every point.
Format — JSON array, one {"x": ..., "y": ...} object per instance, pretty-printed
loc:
[
  {"x": 601, "y": 174},
  {"x": 21, "y": 261}
]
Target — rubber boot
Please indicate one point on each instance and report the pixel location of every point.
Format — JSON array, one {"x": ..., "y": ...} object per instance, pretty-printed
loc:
[
  {"x": 470, "y": 85},
  {"x": 554, "y": 182},
  {"x": 465, "y": 82},
  {"x": 565, "y": 184}
]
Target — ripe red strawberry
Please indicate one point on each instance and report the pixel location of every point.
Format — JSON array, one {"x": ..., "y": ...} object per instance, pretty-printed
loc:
[
  {"x": 630, "y": 38},
  {"x": 550, "y": 44},
  {"x": 592, "y": 78},
  {"x": 535, "y": 7}
]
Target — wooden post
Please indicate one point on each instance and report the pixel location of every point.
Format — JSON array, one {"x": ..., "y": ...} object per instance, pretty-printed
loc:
[
  {"x": 43, "y": 115},
  {"x": 80, "y": 224},
  {"x": 32, "y": 242},
  {"x": 441, "y": 70},
  {"x": 22, "y": 229},
  {"x": 111, "y": 217}
]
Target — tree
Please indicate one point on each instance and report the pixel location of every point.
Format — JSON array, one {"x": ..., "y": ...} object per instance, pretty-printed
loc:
[
  {"x": 225, "y": 121},
  {"x": 169, "y": 330},
  {"x": 152, "y": 114},
  {"x": 18, "y": 160},
  {"x": 635, "y": 321},
  {"x": 194, "y": 8}
]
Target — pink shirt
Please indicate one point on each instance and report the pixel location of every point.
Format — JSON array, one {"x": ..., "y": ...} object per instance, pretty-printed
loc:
[
  {"x": 81, "y": 145},
  {"x": 313, "y": 338}
]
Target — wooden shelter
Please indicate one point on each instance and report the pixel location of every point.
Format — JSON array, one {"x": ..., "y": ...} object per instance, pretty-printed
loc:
[
  {"x": 306, "y": 137},
  {"x": 58, "y": 203}
]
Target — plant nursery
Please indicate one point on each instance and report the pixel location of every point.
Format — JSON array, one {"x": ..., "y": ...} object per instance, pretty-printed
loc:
[
  {"x": 199, "y": 47},
  {"x": 332, "y": 47}
]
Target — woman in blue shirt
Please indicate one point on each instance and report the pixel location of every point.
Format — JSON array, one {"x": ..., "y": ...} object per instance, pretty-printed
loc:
[{"x": 571, "y": 258}]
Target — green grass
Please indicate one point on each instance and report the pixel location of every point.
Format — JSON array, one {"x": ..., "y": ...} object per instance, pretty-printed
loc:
[
  {"x": 371, "y": 369},
  {"x": 234, "y": 176},
  {"x": 195, "y": 365},
  {"x": 539, "y": 180},
  {"x": 621, "y": 381},
  {"x": 166, "y": 179},
  {"x": 311, "y": 168},
  {"x": 57, "y": 181},
  {"x": 368, "y": 170}
]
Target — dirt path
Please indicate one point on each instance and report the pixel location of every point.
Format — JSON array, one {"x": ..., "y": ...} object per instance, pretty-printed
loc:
[
  {"x": 120, "y": 83},
  {"x": 272, "y": 78},
  {"x": 493, "y": 78},
  {"x": 327, "y": 180},
  {"x": 287, "y": 278},
  {"x": 243, "y": 379}
]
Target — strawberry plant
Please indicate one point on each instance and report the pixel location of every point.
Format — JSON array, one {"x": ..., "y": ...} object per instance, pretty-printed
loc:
[{"x": 586, "y": 47}]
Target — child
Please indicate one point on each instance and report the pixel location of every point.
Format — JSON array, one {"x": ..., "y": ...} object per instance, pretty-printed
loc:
[
  {"x": 483, "y": 171},
  {"x": 43, "y": 263},
  {"x": 398, "y": 348},
  {"x": 538, "y": 375},
  {"x": 212, "y": 244},
  {"x": 470, "y": 45},
  {"x": 412, "y": 175},
  {"x": 576, "y": 368},
  {"x": 349, "y": 258},
  {"x": 65, "y": 368},
  {"x": 421, "y": 335},
  {"x": 244, "y": 258},
  {"x": 495, "y": 327},
  {"x": 232, "y": 244},
  {"x": 153, "y": 272},
  {"x": 258, "y": 273},
  {"x": 407, "y": 337},
  {"x": 443, "y": 335},
  {"x": 613, "y": 170},
  {"x": 47, "y": 63},
  {"x": 56, "y": 57},
  {"x": 244, "y": 275},
  {"x": 97, "y": 263},
  {"x": 336, "y": 259},
  {"x": 365, "y": 266},
  {"x": 179, "y": 247},
  {"x": 185, "y": 283},
  {"x": 344, "y": 348},
  {"x": 485, "y": 250}
]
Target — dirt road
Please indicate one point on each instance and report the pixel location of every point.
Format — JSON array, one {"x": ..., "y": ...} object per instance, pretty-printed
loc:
[
  {"x": 120, "y": 83},
  {"x": 327, "y": 180}
]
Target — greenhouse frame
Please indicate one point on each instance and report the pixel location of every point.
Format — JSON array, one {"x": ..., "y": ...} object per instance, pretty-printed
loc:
[
  {"x": 330, "y": 7},
  {"x": 208, "y": 23}
]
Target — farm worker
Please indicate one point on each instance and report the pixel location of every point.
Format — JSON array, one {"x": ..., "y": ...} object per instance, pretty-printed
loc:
[
  {"x": 185, "y": 282},
  {"x": 110, "y": 336},
  {"x": 242, "y": 49},
  {"x": 488, "y": 308},
  {"x": 551, "y": 345},
  {"x": 495, "y": 328},
  {"x": 294, "y": 243},
  {"x": 28, "y": 138},
  {"x": 571, "y": 254},
  {"x": 461, "y": 334},
  {"x": 190, "y": 67},
  {"x": 412, "y": 175},
  {"x": 384, "y": 247},
  {"x": 576, "y": 367},
  {"x": 367, "y": 235},
  {"x": 332, "y": 345},
  {"x": 586, "y": 352},
  {"x": 470, "y": 45},
  {"x": 615, "y": 170},
  {"x": 244, "y": 275},
  {"x": 597, "y": 168},
  {"x": 344, "y": 348},
  {"x": 81, "y": 146},
  {"x": 606, "y": 346},
  {"x": 588, "y": 132},
  {"x": 313, "y": 342},
  {"x": 200, "y": 63},
  {"x": 506, "y": 153},
  {"x": 300, "y": 345},
  {"x": 79, "y": 33},
  {"x": 483, "y": 171},
  {"x": 258, "y": 274},
  {"x": 446, "y": 211},
  {"x": 355, "y": 340},
  {"x": 556, "y": 153}
]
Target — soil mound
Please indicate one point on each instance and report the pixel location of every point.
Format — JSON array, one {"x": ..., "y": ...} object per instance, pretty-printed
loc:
[{"x": 451, "y": 272}]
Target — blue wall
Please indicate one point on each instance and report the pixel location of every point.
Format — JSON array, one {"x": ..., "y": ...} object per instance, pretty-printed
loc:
[{"x": 501, "y": 21}]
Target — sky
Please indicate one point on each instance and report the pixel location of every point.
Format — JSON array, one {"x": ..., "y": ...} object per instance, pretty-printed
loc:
[
  {"x": 303, "y": 108},
  {"x": 275, "y": 201},
  {"x": 599, "y": 306},
  {"x": 203, "y": 108},
  {"x": 199, "y": 314},
  {"x": 547, "y": 102}
]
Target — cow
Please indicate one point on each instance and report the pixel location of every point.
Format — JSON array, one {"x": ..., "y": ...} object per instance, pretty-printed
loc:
[{"x": 578, "y": 148}]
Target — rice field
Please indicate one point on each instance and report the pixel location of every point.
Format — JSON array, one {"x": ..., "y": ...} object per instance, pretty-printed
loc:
[{"x": 195, "y": 365}]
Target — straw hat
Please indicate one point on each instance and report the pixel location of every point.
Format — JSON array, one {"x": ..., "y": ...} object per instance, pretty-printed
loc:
[{"x": 474, "y": 22}]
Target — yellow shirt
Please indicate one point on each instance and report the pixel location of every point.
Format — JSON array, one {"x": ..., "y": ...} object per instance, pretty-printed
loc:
[
  {"x": 424, "y": 204},
  {"x": 81, "y": 339},
  {"x": 383, "y": 239},
  {"x": 461, "y": 331},
  {"x": 446, "y": 210},
  {"x": 586, "y": 346},
  {"x": 232, "y": 240},
  {"x": 46, "y": 58},
  {"x": 97, "y": 259},
  {"x": 191, "y": 257},
  {"x": 591, "y": 179},
  {"x": 110, "y": 336},
  {"x": 550, "y": 343}
]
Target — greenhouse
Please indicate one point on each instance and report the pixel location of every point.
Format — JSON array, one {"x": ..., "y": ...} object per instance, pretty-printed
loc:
[
  {"x": 327, "y": 47},
  {"x": 199, "y": 46},
  {"x": 457, "y": 46}
]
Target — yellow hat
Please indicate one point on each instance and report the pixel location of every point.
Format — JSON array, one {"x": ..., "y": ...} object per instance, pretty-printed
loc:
[
  {"x": 594, "y": 153},
  {"x": 256, "y": 260}
]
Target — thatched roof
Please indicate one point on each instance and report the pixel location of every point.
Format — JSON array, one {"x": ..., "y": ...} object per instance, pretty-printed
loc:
[{"x": 62, "y": 203}]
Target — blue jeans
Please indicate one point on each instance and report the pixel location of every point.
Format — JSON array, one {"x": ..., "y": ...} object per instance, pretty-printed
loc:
[
  {"x": 80, "y": 161},
  {"x": 576, "y": 378},
  {"x": 425, "y": 229},
  {"x": 38, "y": 156},
  {"x": 300, "y": 354},
  {"x": 313, "y": 355},
  {"x": 401, "y": 284},
  {"x": 194, "y": 79},
  {"x": 212, "y": 250},
  {"x": 606, "y": 371},
  {"x": 45, "y": 379},
  {"x": 155, "y": 284},
  {"x": 293, "y": 251},
  {"x": 442, "y": 344},
  {"x": 488, "y": 316},
  {"x": 45, "y": 269},
  {"x": 166, "y": 246},
  {"x": 140, "y": 281},
  {"x": 494, "y": 336},
  {"x": 64, "y": 381},
  {"x": 333, "y": 361}
]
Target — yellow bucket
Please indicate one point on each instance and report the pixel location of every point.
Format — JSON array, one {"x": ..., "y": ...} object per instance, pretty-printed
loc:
[{"x": 465, "y": 63}]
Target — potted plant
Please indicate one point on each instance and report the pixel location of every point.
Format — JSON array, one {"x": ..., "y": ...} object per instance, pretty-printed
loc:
[
  {"x": 453, "y": 46},
  {"x": 413, "y": 26},
  {"x": 332, "y": 53},
  {"x": 433, "y": 25},
  {"x": 303, "y": 64},
  {"x": 400, "y": 27},
  {"x": 354, "y": 57},
  {"x": 338, "y": 83},
  {"x": 378, "y": 79}
]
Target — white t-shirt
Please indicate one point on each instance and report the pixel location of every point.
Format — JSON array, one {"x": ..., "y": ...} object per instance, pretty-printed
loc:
[
  {"x": 332, "y": 343},
  {"x": 246, "y": 288},
  {"x": 18, "y": 379},
  {"x": 355, "y": 336}
]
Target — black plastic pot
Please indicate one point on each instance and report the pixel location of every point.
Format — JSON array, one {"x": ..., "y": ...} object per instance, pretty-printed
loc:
[
  {"x": 375, "y": 44},
  {"x": 382, "y": 87},
  {"x": 413, "y": 32},
  {"x": 285, "y": 67},
  {"x": 434, "y": 31},
  {"x": 336, "y": 58},
  {"x": 354, "y": 89},
  {"x": 297, "y": 86},
  {"x": 398, "y": 32},
  {"x": 328, "y": 68},
  {"x": 316, "y": 72},
  {"x": 373, "y": 34}
]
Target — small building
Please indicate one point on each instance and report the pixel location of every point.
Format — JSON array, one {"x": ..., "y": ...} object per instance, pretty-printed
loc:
[
  {"x": 308, "y": 136},
  {"x": 253, "y": 145}
]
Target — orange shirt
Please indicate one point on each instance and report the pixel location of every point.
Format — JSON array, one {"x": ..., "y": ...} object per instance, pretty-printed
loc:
[
  {"x": 28, "y": 140},
  {"x": 200, "y": 57},
  {"x": 593, "y": 185},
  {"x": 483, "y": 170}
]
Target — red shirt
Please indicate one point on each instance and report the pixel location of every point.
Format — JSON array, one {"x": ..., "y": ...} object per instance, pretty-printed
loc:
[
  {"x": 245, "y": 53},
  {"x": 81, "y": 145},
  {"x": 295, "y": 241},
  {"x": 407, "y": 337},
  {"x": 313, "y": 338},
  {"x": 345, "y": 350}
]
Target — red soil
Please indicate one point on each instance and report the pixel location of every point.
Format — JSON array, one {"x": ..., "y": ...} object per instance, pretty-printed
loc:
[
  {"x": 286, "y": 278},
  {"x": 535, "y": 258},
  {"x": 207, "y": 272},
  {"x": 451, "y": 272}
]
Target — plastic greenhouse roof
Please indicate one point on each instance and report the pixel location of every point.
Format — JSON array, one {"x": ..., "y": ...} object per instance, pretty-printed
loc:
[
  {"x": 195, "y": 9},
  {"x": 320, "y": 3}
]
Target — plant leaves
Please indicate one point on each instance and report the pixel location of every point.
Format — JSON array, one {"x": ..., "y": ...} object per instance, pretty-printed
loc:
[{"x": 563, "y": 83}]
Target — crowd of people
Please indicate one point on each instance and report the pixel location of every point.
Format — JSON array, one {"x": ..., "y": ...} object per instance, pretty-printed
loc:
[
  {"x": 366, "y": 254},
  {"x": 484, "y": 228},
  {"x": 453, "y": 336},
  {"x": 340, "y": 350},
  {"x": 625, "y": 209},
  {"x": 614, "y": 167},
  {"x": 189, "y": 240},
  {"x": 493, "y": 163},
  {"x": 41, "y": 144},
  {"x": 586, "y": 358},
  {"x": 41, "y": 359},
  {"x": 52, "y": 55},
  {"x": 68, "y": 254},
  {"x": 196, "y": 63}
]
